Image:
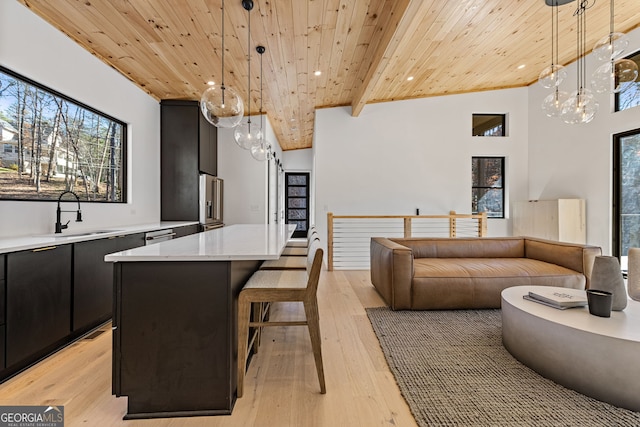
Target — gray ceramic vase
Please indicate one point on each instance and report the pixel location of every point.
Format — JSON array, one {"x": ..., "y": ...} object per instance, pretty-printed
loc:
[
  {"x": 633, "y": 275},
  {"x": 606, "y": 276}
]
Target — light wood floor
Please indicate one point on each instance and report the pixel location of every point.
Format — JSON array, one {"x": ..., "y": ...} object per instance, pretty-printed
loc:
[{"x": 281, "y": 387}]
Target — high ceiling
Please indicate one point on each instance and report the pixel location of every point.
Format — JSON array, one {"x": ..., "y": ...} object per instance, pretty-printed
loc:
[{"x": 365, "y": 49}]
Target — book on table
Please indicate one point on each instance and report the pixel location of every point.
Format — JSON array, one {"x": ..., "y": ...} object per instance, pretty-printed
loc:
[{"x": 558, "y": 298}]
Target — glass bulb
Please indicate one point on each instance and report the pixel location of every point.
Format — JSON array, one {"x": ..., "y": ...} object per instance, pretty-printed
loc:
[
  {"x": 602, "y": 79},
  {"x": 611, "y": 46},
  {"x": 259, "y": 150},
  {"x": 246, "y": 133},
  {"x": 613, "y": 76},
  {"x": 581, "y": 107},
  {"x": 552, "y": 76},
  {"x": 626, "y": 71},
  {"x": 552, "y": 104},
  {"x": 222, "y": 106}
]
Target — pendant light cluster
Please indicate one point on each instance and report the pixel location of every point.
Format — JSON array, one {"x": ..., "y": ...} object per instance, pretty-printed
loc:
[
  {"x": 581, "y": 106},
  {"x": 613, "y": 76},
  {"x": 223, "y": 107}
]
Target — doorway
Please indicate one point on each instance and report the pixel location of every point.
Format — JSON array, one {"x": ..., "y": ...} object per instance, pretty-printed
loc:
[{"x": 297, "y": 201}]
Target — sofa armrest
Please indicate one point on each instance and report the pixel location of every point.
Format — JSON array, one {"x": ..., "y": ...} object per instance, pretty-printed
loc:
[
  {"x": 392, "y": 272},
  {"x": 573, "y": 256}
]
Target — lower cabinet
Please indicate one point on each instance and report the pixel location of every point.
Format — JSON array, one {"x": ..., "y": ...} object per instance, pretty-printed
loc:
[
  {"x": 50, "y": 296},
  {"x": 2, "y": 312},
  {"x": 38, "y": 302},
  {"x": 92, "y": 283},
  {"x": 186, "y": 230}
]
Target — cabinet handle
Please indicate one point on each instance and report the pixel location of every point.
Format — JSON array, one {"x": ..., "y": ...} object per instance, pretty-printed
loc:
[{"x": 48, "y": 248}]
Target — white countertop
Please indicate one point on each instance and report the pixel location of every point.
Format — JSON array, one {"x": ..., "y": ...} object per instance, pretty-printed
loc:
[
  {"x": 13, "y": 244},
  {"x": 234, "y": 242}
]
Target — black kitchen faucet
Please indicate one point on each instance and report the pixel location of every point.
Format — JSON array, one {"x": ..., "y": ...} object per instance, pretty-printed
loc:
[{"x": 59, "y": 225}]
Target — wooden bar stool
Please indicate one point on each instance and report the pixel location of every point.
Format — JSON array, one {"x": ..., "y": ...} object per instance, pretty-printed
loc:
[
  {"x": 302, "y": 243},
  {"x": 302, "y": 252},
  {"x": 287, "y": 262},
  {"x": 267, "y": 286}
]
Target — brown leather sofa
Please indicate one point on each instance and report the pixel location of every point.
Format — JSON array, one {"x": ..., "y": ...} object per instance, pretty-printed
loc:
[{"x": 469, "y": 273}]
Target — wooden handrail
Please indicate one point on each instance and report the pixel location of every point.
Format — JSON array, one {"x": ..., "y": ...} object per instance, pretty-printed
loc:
[{"x": 407, "y": 226}]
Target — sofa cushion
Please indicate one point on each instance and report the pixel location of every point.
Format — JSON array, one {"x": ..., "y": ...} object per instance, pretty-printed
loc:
[
  {"x": 449, "y": 283},
  {"x": 485, "y": 247}
]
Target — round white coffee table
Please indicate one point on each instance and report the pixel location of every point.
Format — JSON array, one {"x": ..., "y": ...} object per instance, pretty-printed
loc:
[{"x": 598, "y": 357}]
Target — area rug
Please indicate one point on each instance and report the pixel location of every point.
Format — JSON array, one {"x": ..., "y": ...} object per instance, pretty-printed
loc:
[{"x": 452, "y": 370}]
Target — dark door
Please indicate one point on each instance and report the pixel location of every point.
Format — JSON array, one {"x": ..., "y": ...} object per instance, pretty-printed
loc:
[{"x": 297, "y": 202}]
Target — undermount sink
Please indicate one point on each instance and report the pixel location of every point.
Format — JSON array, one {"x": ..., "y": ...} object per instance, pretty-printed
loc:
[{"x": 82, "y": 233}]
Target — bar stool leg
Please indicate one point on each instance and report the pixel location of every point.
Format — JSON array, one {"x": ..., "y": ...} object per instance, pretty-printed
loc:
[
  {"x": 313, "y": 323},
  {"x": 244, "y": 311}
]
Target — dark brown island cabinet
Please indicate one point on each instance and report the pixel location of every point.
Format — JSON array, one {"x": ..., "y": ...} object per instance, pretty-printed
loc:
[{"x": 175, "y": 336}]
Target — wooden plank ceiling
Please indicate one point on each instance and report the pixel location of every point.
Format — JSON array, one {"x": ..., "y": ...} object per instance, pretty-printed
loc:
[{"x": 365, "y": 49}]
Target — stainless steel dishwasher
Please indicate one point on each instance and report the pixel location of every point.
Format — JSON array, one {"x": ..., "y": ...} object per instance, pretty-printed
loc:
[{"x": 152, "y": 237}]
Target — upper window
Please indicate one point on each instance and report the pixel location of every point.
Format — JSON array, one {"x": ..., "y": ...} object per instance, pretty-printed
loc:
[
  {"x": 487, "y": 189},
  {"x": 54, "y": 144},
  {"x": 629, "y": 96},
  {"x": 488, "y": 125}
]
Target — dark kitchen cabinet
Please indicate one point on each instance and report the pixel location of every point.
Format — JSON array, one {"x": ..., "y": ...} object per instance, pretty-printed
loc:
[
  {"x": 92, "y": 283},
  {"x": 186, "y": 230},
  {"x": 128, "y": 241},
  {"x": 93, "y": 279},
  {"x": 38, "y": 302},
  {"x": 208, "y": 146},
  {"x": 189, "y": 146},
  {"x": 2, "y": 311}
]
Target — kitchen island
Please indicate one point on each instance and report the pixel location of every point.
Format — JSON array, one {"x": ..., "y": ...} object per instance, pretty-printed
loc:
[{"x": 175, "y": 340}]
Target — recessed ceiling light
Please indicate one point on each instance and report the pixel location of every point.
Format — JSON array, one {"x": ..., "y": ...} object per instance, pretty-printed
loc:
[
  {"x": 409, "y": 78},
  {"x": 521, "y": 66},
  {"x": 317, "y": 72},
  {"x": 211, "y": 82}
]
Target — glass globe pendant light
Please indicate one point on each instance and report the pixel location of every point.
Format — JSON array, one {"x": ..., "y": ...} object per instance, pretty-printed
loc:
[
  {"x": 221, "y": 105},
  {"x": 260, "y": 148},
  {"x": 554, "y": 74},
  {"x": 581, "y": 106},
  {"x": 613, "y": 75},
  {"x": 552, "y": 104},
  {"x": 246, "y": 132}
]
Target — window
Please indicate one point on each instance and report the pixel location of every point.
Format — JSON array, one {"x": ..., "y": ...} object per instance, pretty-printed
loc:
[
  {"x": 626, "y": 193},
  {"x": 58, "y": 144},
  {"x": 488, "y": 125},
  {"x": 488, "y": 186},
  {"x": 629, "y": 96}
]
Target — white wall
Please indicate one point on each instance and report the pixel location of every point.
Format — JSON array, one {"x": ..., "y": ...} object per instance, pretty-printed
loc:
[
  {"x": 298, "y": 160},
  {"x": 33, "y": 48},
  {"x": 245, "y": 179},
  {"x": 399, "y": 156},
  {"x": 576, "y": 160}
]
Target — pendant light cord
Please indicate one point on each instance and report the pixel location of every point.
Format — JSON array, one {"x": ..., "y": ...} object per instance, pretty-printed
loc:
[
  {"x": 222, "y": 85},
  {"x": 249, "y": 71}
]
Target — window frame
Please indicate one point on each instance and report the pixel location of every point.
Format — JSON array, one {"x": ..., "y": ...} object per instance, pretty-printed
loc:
[
  {"x": 616, "y": 237},
  {"x": 503, "y": 124},
  {"x": 122, "y": 177},
  {"x": 616, "y": 104},
  {"x": 502, "y": 187}
]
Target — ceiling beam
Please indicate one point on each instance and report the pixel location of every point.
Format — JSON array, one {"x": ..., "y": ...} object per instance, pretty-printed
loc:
[{"x": 404, "y": 18}]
